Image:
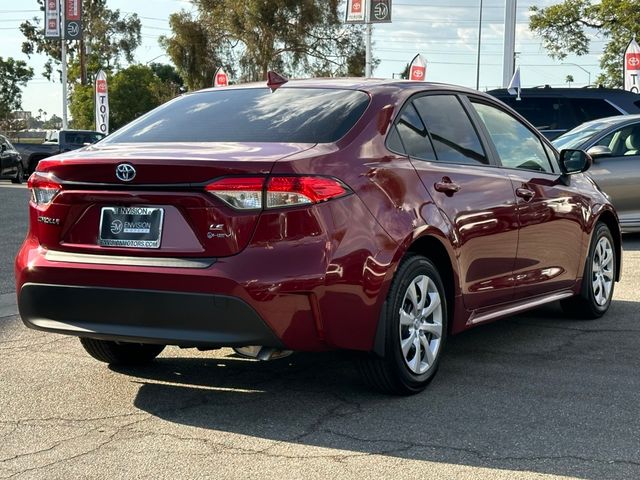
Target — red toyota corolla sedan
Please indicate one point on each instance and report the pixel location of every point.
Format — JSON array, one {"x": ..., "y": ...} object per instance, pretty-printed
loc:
[{"x": 376, "y": 216}]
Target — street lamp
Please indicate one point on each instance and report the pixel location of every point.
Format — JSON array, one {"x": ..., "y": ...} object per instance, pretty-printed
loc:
[{"x": 581, "y": 68}]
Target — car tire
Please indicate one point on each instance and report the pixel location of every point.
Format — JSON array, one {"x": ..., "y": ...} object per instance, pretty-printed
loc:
[
  {"x": 598, "y": 279},
  {"x": 415, "y": 322},
  {"x": 19, "y": 175},
  {"x": 121, "y": 353}
]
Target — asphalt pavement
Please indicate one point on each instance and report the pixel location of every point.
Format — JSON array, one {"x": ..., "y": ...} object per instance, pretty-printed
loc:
[{"x": 534, "y": 396}]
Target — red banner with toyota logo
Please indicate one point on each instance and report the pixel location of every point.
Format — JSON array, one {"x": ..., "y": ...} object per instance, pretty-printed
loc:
[
  {"x": 52, "y": 19},
  {"x": 355, "y": 11},
  {"x": 220, "y": 78},
  {"x": 418, "y": 69},
  {"x": 632, "y": 67}
]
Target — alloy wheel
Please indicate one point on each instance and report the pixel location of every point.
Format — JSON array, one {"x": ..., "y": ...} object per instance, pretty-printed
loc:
[
  {"x": 602, "y": 271},
  {"x": 420, "y": 324}
]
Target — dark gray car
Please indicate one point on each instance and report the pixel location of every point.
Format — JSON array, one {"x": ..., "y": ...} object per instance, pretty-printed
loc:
[
  {"x": 614, "y": 145},
  {"x": 11, "y": 163}
]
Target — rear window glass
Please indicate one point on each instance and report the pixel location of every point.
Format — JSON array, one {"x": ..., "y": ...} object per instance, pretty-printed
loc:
[
  {"x": 591, "y": 108},
  {"x": 454, "y": 138},
  {"x": 544, "y": 113},
  {"x": 414, "y": 134},
  {"x": 300, "y": 115},
  {"x": 82, "y": 138}
]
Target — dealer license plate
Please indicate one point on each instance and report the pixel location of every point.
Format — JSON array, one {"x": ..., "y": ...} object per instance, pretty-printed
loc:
[{"x": 137, "y": 227}]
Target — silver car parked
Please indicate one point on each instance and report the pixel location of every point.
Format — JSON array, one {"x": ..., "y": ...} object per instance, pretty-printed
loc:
[{"x": 614, "y": 145}]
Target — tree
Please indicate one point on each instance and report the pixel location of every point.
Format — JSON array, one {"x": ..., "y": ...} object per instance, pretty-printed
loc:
[
  {"x": 54, "y": 123},
  {"x": 254, "y": 36},
  {"x": 566, "y": 27},
  {"x": 192, "y": 50},
  {"x": 81, "y": 107},
  {"x": 169, "y": 78},
  {"x": 133, "y": 92},
  {"x": 569, "y": 79},
  {"x": 109, "y": 38},
  {"x": 14, "y": 74}
]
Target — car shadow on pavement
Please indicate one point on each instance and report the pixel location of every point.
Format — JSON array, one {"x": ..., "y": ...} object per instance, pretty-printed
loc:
[
  {"x": 536, "y": 392},
  {"x": 631, "y": 242}
]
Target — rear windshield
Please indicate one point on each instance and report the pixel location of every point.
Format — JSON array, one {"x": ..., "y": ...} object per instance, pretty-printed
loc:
[{"x": 290, "y": 115}]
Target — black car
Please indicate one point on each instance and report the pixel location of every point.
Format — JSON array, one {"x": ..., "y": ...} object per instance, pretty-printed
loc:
[
  {"x": 11, "y": 164},
  {"x": 553, "y": 111}
]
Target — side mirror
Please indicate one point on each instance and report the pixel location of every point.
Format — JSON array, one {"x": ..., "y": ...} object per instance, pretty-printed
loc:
[
  {"x": 3, "y": 148},
  {"x": 599, "y": 151},
  {"x": 574, "y": 161}
]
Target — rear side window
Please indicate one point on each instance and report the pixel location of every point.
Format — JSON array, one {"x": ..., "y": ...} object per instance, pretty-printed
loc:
[
  {"x": 454, "y": 138},
  {"x": 414, "y": 134},
  {"x": 300, "y": 115},
  {"x": 544, "y": 113},
  {"x": 82, "y": 138},
  {"x": 592, "y": 108}
]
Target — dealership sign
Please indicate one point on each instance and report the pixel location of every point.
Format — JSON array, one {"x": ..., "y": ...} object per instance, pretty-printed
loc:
[
  {"x": 355, "y": 11},
  {"x": 102, "y": 103},
  {"x": 368, "y": 11},
  {"x": 220, "y": 78},
  {"x": 72, "y": 19},
  {"x": 380, "y": 11},
  {"x": 418, "y": 69},
  {"x": 632, "y": 67},
  {"x": 51, "y": 19}
]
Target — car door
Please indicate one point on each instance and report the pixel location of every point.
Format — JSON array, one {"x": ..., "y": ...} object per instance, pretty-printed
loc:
[
  {"x": 474, "y": 196},
  {"x": 550, "y": 212},
  {"x": 618, "y": 174}
]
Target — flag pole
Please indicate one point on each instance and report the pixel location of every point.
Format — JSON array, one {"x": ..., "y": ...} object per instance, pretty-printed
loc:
[{"x": 479, "y": 44}]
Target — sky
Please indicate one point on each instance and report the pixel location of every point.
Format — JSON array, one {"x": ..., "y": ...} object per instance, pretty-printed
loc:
[{"x": 445, "y": 33}]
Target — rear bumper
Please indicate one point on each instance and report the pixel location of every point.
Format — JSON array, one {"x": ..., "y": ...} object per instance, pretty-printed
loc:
[{"x": 147, "y": 316}]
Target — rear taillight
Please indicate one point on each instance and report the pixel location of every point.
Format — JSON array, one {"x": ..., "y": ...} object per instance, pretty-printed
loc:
[
  {"x": 247, "y": 193},
  {"x": 243, "y": 193},
  {"x": 43, "y": 188}
]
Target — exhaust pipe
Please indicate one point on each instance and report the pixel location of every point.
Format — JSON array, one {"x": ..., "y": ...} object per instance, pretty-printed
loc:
[{"x": 262, "y": 353}]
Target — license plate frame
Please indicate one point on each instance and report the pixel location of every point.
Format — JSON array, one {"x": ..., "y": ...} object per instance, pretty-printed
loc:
[{"x": 131, "y": 227}]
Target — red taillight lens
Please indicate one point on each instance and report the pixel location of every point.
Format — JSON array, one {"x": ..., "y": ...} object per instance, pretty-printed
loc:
[
  {"x": 245, "y": 193},
  {"x": 287, "y": 191},
  {"x": 43, "y": 188}
]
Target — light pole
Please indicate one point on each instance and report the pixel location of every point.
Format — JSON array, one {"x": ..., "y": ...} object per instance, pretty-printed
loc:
[
  {"x": 479, "y": 44},
  {"x": 581, "y": 68}
]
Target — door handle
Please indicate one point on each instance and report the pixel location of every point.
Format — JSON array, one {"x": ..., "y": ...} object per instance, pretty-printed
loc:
[
  {"x": 525, "y": 193},
  {"x": 446, "y": 186}
]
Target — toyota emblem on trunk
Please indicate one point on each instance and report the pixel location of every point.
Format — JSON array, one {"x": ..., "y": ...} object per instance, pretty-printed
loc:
[{"x": 125, "y": 172}]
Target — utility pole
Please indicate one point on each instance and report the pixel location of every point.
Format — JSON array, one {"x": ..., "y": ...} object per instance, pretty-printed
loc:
[
  {"x": 65, "y": 123},
  {"x": 479, "y": 45},
  {"x": 367, "y": 68},
  {"x": 508, "y": 57}
]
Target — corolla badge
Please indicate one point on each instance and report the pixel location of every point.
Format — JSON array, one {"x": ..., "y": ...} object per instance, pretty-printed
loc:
[{"x": 125, "y": 172}]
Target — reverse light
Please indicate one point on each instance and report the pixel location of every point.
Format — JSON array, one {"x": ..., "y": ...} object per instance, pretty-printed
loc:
[
  {"x": 247, "y": 193},
  {"x": 43, "y": 188},
  {"x": 241, "y": 193}
]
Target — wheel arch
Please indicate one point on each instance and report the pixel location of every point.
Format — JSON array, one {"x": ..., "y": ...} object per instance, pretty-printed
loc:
[{"x": 432, "y": 246}]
